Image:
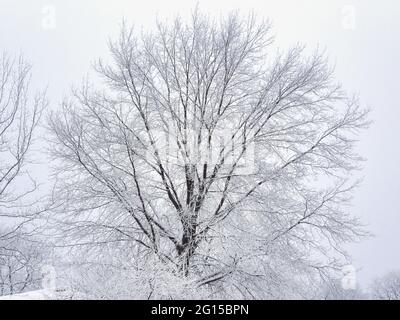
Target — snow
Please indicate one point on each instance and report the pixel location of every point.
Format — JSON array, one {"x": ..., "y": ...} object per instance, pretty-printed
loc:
[{"x": 31, "y": 295}]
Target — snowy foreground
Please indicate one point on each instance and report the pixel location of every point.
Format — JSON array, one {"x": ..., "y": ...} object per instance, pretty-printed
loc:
[{"x": 43, "y": 294}]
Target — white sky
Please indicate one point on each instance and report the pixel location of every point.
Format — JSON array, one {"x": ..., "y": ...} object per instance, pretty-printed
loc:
[{"x": 62, "y": 38}]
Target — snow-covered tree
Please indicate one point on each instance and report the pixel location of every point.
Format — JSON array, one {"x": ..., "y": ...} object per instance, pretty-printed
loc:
[
  {"x": 19, "y": 116},
  {"x": 206, "y": 150},
  {"x": 387, "y": 287}
]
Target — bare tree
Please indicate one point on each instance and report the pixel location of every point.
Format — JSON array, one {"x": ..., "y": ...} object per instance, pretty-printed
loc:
[
  {"x": 204, "y": 149},
  {"x": 20, "y": 262},
  {"x": 387, "y": 287},
  {"x": 19, "y": 117}
]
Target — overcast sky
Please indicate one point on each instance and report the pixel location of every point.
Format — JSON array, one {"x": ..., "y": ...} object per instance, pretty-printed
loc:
[{"x": 62, "y": 38}]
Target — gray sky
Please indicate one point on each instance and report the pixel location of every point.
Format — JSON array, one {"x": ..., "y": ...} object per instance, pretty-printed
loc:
[{"x": 62, "y": 38}]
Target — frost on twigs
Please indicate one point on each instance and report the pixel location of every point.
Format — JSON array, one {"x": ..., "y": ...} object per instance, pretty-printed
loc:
[{"x": 215, "y": 162}]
